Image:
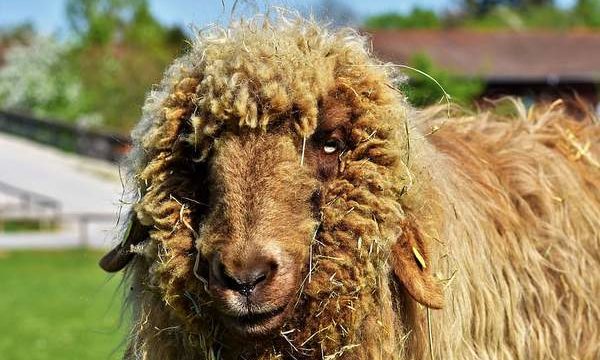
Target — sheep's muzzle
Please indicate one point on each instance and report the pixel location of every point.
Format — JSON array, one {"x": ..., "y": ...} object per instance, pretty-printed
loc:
[
  {"x": 253, "y": 290},
  {"x": 256, "y": 236}
]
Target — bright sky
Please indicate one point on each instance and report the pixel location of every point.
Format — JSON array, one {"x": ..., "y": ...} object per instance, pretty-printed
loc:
[{"x": 48, "y": 15}]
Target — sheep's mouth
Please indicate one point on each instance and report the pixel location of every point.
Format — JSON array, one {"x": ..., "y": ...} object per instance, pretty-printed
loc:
[{"x": 257, "y": 324}]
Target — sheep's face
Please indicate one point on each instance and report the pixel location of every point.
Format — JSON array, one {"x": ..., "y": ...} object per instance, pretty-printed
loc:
[
  {"x": 264, "y": 207},
  {"x": 256, "y": 236}
]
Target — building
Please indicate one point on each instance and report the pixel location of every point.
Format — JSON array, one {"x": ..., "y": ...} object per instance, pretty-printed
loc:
[{"x": 535, "y": 65}]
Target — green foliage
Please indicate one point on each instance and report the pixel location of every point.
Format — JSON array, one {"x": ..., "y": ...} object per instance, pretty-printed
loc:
[
  {"x": 417, "y": 19},
  {"x": 100, "y": 78},
  {"x": 58, "y": 305},
  {"x": 482, "y": 7},
  {"x": 122, "y": 51},
  {"x": 498, "y": 18},
  {"x": 26, "y": 225},
  {"x": 588, "y": 11},
  {"x": 19, "y": 34},
  {"x": 97, "y": 20},
  {"x": 541, "y": 17},
  {"x": 548, "y": 17},
  {"x": 497, "y": 14},
  {"x": 534, "y": 14},
  {"x": 36, "y": 79},
  {"x": 422, "y": 91}
]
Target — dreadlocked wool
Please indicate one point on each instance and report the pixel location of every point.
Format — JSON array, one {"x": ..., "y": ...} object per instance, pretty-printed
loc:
[{"x": 503, "y": 212}]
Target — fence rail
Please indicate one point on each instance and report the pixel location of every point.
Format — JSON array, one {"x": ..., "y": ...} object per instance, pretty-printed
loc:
[
  {"x": 17, "y": 204},
  {"x": 92, "y": 143},
  {"x": 29, "y": 204}
]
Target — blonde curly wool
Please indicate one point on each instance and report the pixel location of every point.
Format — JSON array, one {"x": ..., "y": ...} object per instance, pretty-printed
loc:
[
  {"x": 522, "y": 218},
  {"x": 506, "y": 211}
]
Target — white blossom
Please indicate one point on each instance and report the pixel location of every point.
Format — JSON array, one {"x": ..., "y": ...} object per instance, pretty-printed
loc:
[{"x": 36, "y": 79}]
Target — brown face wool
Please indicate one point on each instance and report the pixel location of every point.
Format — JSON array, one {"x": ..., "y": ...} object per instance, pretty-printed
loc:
[{"x": 279, "y": 154}]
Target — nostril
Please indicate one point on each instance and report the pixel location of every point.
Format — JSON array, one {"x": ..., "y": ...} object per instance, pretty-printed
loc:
[
  {"x": 229, "y": 281},
  {"x": 242, "y": 279},
  {"x": 218, "y": 271},
  {"x": 273, "y": 266},
  {"x": 260, "y": 279},
  {"x": 247, "y": 287}
]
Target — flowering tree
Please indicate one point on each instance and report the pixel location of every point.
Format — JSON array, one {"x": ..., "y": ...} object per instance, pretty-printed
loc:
[{"x": 36, "y": 79}]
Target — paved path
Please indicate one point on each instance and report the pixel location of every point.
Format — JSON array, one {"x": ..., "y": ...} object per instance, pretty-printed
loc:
[{"x": 81, "y": 185}]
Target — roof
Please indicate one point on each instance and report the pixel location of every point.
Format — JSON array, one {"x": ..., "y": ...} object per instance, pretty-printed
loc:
[{"x": 540, "y": 56}]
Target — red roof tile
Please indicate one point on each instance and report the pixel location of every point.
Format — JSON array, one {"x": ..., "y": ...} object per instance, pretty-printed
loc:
[{"x": 519, "y": 56}]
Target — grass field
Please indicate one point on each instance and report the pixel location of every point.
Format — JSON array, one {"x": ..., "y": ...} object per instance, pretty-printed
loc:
[{"x": 58, "y": 305}]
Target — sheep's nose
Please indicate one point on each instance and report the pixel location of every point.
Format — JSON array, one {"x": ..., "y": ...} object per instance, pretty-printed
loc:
[{"x": 242, "y": 276}]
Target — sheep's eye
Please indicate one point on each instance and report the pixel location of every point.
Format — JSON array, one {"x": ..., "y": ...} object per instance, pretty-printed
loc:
[{"x": 332, "y": 146}]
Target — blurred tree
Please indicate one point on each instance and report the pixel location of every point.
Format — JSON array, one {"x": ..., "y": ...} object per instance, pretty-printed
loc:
[
  {"x": 497, "y": 14},
  {"x": 35, "y": 80},
  {"x": 19, "y": 34},
  {"x": 422, "y": 91},
  {"x": 417, "y": 19},
  {"x": 98, "y": 21},
  {"x": 102, "y": 77},
  {"x": 589, "y": 12},
  {"x": 546, "y": 17},
  {"x": 482, "y": 7},
  {"x": 122, "y": 50}
]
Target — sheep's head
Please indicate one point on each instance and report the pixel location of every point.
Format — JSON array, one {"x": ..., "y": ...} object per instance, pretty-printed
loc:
[{"x": 271, "y": 165}]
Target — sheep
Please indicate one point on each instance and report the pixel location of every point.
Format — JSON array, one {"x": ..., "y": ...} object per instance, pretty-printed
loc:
[{"x": 288, "y": 203}]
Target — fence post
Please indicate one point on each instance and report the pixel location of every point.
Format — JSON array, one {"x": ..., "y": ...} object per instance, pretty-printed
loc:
[{"x": 83, "y": 231}]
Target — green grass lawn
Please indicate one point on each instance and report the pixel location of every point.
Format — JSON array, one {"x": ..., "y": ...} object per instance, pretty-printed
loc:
[{"x": 58, "y": 305}]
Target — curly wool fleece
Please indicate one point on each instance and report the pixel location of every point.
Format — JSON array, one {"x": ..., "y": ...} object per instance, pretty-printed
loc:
[{"x": 488, "y": 222}]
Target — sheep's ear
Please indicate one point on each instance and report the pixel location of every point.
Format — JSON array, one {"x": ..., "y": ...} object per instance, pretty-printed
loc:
[
  {"x": 117, "y": 258},
  {"x": 410, "y": 262}
]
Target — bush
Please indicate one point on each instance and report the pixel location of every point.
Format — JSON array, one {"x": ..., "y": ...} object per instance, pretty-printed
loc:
[
  {"x": 496, "y": 15},
  {"x": 417, "y": 19},
  {"x": 588, "y": 12},
  {"x": 536, "y": 17},
  {"x": 422, "y": 91}
]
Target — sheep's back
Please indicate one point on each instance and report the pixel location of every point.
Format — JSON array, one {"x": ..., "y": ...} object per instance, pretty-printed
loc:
[{"x": 521, "y": 237}]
